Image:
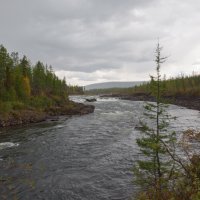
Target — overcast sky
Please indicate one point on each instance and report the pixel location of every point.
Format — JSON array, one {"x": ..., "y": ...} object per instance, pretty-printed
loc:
[{"x": 90, "y": 41}]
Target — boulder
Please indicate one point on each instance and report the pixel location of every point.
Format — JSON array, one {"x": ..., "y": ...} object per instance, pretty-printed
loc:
[{"x": 91, "y": 100}]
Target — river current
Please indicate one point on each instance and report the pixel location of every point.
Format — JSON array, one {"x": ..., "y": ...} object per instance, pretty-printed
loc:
[{"x": 86, "y": 157}]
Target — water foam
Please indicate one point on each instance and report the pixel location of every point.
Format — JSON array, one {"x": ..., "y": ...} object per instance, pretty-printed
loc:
[{"x": 5, "y": 145}]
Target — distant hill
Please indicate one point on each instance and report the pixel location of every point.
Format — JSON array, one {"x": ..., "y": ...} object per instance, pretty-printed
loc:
[{"x": 107, "y": 85}]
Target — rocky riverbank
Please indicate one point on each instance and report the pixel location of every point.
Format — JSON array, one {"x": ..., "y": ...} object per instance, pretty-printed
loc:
[
  {"x": 26, "y": 116},
  {"x": 185, "y": 101}
]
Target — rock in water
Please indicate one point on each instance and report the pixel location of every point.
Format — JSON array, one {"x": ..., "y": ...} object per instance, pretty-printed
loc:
[{"x": 91, "y": 100}]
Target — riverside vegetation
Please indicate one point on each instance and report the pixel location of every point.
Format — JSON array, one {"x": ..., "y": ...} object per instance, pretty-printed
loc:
[
  {"x": 182, "y": 90},
  {"x": 168, "y": 169},
  {"x": 33, "y": 93}
]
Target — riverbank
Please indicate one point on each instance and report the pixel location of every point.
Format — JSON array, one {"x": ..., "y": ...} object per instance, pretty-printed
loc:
[
  {"x": 31, "y": 115},
  {"x": 185, "y": 101}
]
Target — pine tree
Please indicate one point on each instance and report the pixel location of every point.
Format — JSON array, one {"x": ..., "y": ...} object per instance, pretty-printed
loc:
[
  {"x": 6, "y": 65},
  {"x": 39, "y": 79},
  {"x": 156, "y": 167},
  {"x": 26, "y": 77}
]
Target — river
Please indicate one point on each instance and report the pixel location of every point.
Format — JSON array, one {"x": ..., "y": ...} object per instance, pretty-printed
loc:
[{"x": 86, "y": 157}]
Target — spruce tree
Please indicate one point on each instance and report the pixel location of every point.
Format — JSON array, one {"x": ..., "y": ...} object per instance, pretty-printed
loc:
[{"x": 156, "y": 166}]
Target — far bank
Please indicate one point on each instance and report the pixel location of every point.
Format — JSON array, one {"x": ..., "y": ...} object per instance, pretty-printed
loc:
[{"x": 185, "y": 101}]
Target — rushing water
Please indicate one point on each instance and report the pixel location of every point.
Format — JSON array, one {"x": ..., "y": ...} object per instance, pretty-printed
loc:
[{"x": 88, "y": 157}]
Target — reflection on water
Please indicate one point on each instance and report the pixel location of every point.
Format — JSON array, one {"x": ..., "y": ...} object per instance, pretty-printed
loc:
[{"x": 87, "y": 157}]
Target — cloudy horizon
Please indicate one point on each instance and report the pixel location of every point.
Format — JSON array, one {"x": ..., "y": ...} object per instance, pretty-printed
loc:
[{"x": 90, "y": 41}]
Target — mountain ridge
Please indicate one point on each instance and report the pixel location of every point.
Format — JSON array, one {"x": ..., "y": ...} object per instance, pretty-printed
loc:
[{"x": 113, "y": 84}]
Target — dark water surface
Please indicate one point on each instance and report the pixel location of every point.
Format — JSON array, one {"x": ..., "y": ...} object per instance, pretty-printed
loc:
[{"x": 87, "y": 158}]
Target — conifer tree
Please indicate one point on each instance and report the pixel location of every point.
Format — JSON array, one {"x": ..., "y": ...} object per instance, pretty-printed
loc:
[
  {"x": 26, "y": 77},
  {"x": 156, "y": 167}
]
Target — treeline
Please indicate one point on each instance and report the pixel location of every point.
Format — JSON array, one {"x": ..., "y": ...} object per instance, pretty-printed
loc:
[
  {"x": 75, "y": 90},
  {"x": 179, "y": 86},
  {"x": 32, "y": 85}
]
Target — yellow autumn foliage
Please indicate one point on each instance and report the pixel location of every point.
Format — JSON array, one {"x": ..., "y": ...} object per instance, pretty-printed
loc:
[{"x": 26, "y": 86}]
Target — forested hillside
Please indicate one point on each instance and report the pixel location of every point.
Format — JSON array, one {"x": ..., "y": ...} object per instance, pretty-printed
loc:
[{"x": 22, "y": 84}]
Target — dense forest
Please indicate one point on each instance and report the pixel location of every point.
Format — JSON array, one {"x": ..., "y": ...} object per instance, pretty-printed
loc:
[
  {"x": 179, "y": 86},
  {"x": 23, "y": 85}
]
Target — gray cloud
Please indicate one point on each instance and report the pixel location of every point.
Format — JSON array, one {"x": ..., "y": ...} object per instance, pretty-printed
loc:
[{"x": 93, "y": 40}]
